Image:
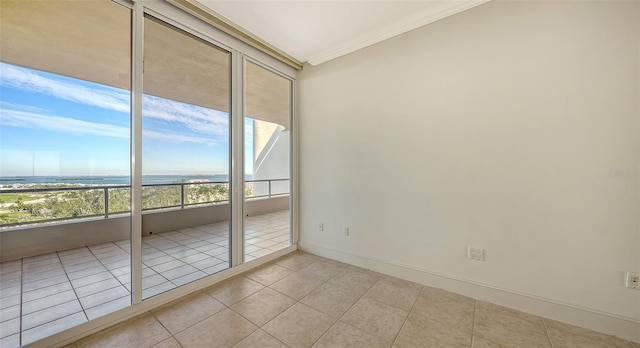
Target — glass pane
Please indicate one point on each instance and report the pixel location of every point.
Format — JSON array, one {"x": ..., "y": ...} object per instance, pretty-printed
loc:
[
  {"x": 185, "y": 158},
  {"x": 64, "y": 165},
  {"x": 267, "y": 162}
]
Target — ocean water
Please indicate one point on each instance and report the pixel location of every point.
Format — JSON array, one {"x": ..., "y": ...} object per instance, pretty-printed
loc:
[{"x": 111, "y": 179}]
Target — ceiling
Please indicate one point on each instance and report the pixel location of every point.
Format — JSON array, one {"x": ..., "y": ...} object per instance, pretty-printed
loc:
[{"x": 318, "y": 31}]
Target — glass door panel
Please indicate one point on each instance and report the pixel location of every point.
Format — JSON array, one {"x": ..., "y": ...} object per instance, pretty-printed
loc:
[
  {"x": 65, "y": 124},
  {"x": 267, "y": 122},
  {"x": 185, "y": 158}
]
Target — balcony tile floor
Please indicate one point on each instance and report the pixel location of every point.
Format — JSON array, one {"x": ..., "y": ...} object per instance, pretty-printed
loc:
[
  {"x": 303, "y": 300},
  {"x": 45, "y": 294}
]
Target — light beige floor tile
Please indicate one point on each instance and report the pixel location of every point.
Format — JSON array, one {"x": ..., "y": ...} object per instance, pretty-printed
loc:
[
  {"x": 324, "y": 269},
  {"x": 141, "y": 331},
  {"x": 508, "y": 327},
  {"x": 377, "y": 318},
  {"x": 168, "y": 343},
  {"x": 297, "y": 260},
  {"x": 396, "y": 292},
  {"x": 260, "y": 339},
  {"x": 445, "y": 306},
  {"x": 179, "y": 315},
  {"x": 223, "y": 329},
  {"x": 263, "y": 306},
  {"x": 297, "y": 285},
  {"x": 356, "y": 278},
  {"x": 347, "y": 336},
  {"x": 427, "y": 332},
  {"x": 299, "y": 326},
  {"x": 565, "y": 335},
  {"x": 268, "y": 274},
  {"x": 235, "y": 289},
  {"x": 333, "y": 299},
  {"x": 479, "y": 342}
]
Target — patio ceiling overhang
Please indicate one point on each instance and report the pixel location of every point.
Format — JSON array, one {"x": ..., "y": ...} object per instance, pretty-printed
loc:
[{"x": 96, "y": 46}]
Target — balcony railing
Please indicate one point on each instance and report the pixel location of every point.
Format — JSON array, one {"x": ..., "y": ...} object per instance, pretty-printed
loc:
[{"x": 51, "y": 204}]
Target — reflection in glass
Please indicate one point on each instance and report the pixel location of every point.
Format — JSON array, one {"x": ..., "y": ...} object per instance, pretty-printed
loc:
[
  {"x": 64, "y": 165},
  {"x": 185, "y": 158},
  {"x": 267, "y": 162}
]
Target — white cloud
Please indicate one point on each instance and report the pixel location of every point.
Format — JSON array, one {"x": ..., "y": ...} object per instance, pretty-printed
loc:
[
  {"x": 197, "y": 119},
  {"x": 60, "y": 124},
  {"x": 69, "y": 125},
  {"x": 28, "y": 80}
]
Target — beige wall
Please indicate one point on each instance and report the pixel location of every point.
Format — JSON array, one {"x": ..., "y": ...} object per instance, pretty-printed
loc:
[{"x": 513, "y": 126}]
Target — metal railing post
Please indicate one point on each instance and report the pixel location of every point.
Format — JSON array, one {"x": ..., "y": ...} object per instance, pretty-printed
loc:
[
  {"x": 106, "y": 202},
  {"x": 182, "y": 196},
  {"x": 105, "y": 190}
]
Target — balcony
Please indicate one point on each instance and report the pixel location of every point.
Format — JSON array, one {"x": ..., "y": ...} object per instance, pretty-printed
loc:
[{"x": 56, "y": 275}]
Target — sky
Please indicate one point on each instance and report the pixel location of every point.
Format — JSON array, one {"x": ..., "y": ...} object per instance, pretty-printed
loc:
[{"x": 56, "y": 125}]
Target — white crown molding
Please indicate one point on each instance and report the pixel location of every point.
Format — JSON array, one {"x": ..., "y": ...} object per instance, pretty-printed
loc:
[{"x": 437, "y": 11}]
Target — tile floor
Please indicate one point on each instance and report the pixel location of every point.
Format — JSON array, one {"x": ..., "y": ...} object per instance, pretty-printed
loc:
[
  {"x": 45, "y": 294},
  {"x": 302, "y": 300}
]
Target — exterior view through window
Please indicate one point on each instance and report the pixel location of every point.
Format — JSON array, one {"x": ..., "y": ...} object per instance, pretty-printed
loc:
[
  {"x": 185, "y": 158},
  {"x": 71, "y": 176},
  {"x": 65, "y": 96},
  {"x": 267, "y": 162}
]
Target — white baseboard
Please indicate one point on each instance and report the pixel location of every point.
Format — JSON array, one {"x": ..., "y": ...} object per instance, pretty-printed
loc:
[{"x": 626, "y": 328}]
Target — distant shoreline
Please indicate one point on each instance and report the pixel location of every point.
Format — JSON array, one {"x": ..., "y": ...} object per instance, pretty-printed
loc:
[{"x": 109, "y": 179}]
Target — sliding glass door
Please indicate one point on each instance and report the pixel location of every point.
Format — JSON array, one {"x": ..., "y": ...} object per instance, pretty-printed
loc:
[
  {"x": 65, "y": 125},
  {"x": 116, "y": 131},
  {"x": 185, "y": 158},
  {"x": 267, "y": 148}
]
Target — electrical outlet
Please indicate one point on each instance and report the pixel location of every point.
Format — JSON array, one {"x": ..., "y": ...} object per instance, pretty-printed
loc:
[
  {"x": 345, "y": 230},
  {"x": 475, "y": 253},
  {"x": 321, "y": 227},
  {"x": 632, "y": 280}
]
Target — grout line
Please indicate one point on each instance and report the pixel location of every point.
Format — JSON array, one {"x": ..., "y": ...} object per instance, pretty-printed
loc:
[
  {"x": 268, "y": 230},
  {"x": 473, "y": 325},
  {"x": 350, "y": 307},
  {"x": 395, "y": 339},
  {"x": 546, "y": 331},
  {"x": 106, "y": 268},
  {"x": 72, "y": 287},
  {"x": 21, "y": 288}
]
